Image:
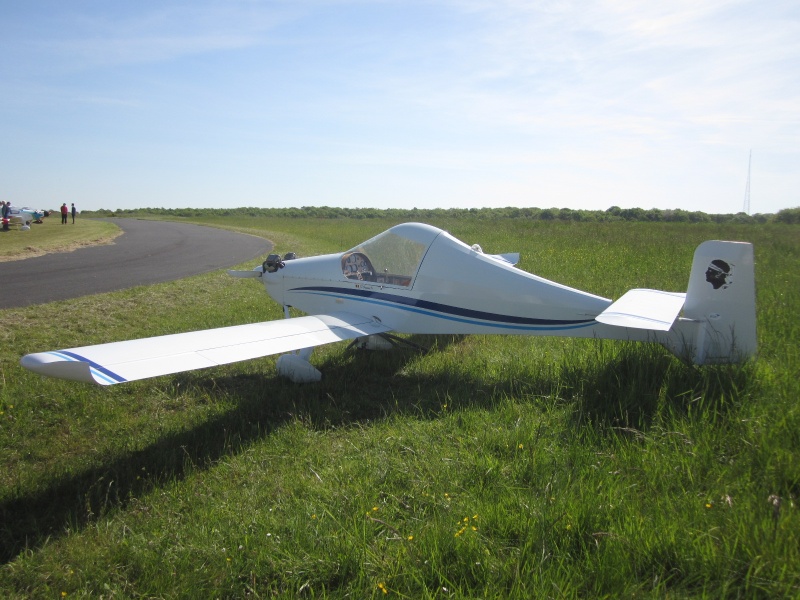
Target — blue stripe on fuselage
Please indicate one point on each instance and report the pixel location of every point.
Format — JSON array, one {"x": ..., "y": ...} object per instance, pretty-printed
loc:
[{"x": 445, "y": 311}]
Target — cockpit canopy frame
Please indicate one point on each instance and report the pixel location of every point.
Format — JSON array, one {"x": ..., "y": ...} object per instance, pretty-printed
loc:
[{"x": 392, "y": 257}]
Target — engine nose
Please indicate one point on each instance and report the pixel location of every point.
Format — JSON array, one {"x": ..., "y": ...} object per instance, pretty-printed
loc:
[
  {"x": 272, "y": 263},
  {"x": 275, "y": 262},
  {"x": 273, "y": 276},
  {"x": 273, "y": 284}
]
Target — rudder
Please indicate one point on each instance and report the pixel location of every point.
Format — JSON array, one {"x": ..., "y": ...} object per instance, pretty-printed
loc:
[{"x": 721, "y": 300}]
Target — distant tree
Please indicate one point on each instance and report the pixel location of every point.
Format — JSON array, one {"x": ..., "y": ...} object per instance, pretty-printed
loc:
[
  {"x": 614, "y": 213},
  {"x": 788, "y": 215},
  {"x": 698, "y": 217},
  {"x": 676, "y": 215},
  {"x": 632, "y": 214}
]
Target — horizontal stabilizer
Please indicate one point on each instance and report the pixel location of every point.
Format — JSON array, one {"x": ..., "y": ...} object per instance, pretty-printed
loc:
[
  {"x": 510, "y": 257},
  {"x": 117, "y": 362},
  {"x": 644, "y": 309}
]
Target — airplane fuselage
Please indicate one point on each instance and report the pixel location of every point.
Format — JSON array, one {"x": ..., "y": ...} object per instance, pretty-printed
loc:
[{"x": 452, "y": 289}]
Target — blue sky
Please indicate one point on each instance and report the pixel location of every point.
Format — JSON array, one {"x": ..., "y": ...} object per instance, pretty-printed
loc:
[{"x": 390, "y": 103}]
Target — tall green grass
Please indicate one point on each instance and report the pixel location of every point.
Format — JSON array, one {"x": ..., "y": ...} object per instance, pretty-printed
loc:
[{"x": 487, "y": 467}]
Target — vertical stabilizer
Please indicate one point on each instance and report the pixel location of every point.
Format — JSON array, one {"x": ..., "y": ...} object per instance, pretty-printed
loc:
[{"x": 721, "y": 301}]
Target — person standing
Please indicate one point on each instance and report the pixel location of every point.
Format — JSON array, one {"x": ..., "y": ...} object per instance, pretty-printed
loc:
[
  {"x": 73, "y": 213},
  {"x": 64, "y": 212}
]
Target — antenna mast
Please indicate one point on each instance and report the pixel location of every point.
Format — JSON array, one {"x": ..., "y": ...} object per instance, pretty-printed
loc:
[{"x": 747, "y": 187}]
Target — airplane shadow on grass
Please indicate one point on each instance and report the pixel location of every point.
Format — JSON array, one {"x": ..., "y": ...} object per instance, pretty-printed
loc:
[{"x": 623, "y": 392}]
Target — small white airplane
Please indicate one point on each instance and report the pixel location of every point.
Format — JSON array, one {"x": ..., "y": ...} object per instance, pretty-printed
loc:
[
  {"x": 417, "y": 279},
  {"x": 27, "y": 215}
]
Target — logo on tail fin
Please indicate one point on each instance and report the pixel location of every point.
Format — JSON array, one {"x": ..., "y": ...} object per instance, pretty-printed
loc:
[{"x": 719, "y": 274}]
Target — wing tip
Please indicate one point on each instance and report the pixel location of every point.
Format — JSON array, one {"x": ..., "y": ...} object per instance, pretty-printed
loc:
[{"x": 63, "y": 366}]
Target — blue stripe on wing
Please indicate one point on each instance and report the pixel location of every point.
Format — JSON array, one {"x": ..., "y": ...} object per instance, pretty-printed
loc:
[{"x": 96, "y": 369}]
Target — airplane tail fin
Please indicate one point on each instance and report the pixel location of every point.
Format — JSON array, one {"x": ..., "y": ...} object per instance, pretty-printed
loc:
[
  {"x": 713, "y": 322},
  {"x": 720, "y": 302}
]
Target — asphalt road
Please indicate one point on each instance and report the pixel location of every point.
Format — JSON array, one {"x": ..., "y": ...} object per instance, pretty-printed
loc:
[{"x": 147, "y": 252}]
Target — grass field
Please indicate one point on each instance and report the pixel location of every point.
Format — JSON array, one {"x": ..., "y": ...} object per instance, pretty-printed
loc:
[
  {"x": 51, "y": 236},
  {"x": 492, "y": 467}
]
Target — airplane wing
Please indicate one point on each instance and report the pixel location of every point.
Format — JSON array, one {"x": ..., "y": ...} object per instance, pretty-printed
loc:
[
  {"x": 118, "y": 362},
  {"x": 644, "y": 309}
]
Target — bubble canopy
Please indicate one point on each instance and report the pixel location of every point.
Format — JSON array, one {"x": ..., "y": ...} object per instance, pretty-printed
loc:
[{"x": 391, "y": 257}]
